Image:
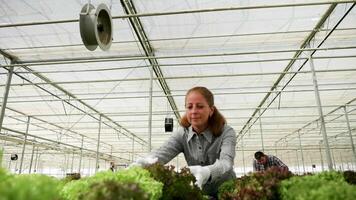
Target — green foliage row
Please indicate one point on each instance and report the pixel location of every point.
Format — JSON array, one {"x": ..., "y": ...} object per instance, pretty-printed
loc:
[
  {"x": 128, "y": 184},
  {"x": 159, "y": 182},
  {"x": 29, "y": 187},
  {"x": 322, "y": 186},
  {"x": 259, "y": 185},
  {"x": 79, "y": 189},
  {"x": 274, "y": 184}
]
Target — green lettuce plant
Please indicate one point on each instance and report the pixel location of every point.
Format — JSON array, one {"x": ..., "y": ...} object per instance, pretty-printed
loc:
[
  {"x": 322, "y": 186},
  {"x": 74, "y": 190},
  {"x": 29, "y": 187}
]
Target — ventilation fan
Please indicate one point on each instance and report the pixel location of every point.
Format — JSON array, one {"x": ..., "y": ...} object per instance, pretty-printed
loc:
[{"x": 95, "y": 27}]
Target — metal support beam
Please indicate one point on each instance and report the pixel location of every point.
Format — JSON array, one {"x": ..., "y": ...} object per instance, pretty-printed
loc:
[
  {"x": 150, "y": 110},
  {"x": 97, "y": 147},
  {"x": 15, "y": 60},
  {"x": 24, "y": 144},
  {"x": 322, "y": 120},
  {"x": 31, "y": 161},
  {"x": 140, "y": 33},
  {"x": 243, "y": 155},
  {"x": 81, "y": 156},
  {"x": 296, "y": 153},
  {"x": 301, "y": 151},
  {"x": 132, "y": 150},
  {"x": 89, "y": 167},
  {"x": 46, "y": 145},
  {"x": 261, "y": 132},
  {"x": 6, "y": 94},
  {"x": 321, "y": 159},
  {"x": 36, "y": 160},
  {"x": 204, "y": 10},
  {"x": 72, "y": 164},
  {"x": 312, "y": 34},
  {"x": 333, "y": 158},
  {"x": 66, "y": 158},
  {"x": 350, "y": 133}
]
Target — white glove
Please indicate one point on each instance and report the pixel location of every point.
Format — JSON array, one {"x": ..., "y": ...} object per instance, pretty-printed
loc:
[
  {"x": 201, "y": 174},
  {"x": 143, "y": 162}
]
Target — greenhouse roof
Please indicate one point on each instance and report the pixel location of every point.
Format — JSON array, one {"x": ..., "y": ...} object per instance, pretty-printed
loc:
[{"x": 257, "y": 57}]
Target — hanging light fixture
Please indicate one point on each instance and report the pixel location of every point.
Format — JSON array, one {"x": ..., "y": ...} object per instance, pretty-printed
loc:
[{"x": 168, "y": 124}]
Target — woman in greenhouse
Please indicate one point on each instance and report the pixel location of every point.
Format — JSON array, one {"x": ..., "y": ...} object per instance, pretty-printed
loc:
[
  {"x": 263, "y": 162},
  {"x": 207, "y": 142}
]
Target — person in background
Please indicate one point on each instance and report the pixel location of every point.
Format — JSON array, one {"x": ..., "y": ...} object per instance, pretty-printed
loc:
[
  {"x": 205, "y": 139},
  {"x": 112, "y": 166},
  {"x": 263, "y": 162}
]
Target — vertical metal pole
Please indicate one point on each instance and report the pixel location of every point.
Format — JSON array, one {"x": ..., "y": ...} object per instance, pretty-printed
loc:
[
  {"x": 71, "y": 167},
  {"x": 24, "y": 144},
  {"x": 342, "y": 162},
  {"x": 321, "y": 159},
  {"x": 6, "y": 94},
  {"x": 36, "y": 160},
  {"x": 97, "y": 147},
  {"x": 243, "y": 154},
  {"x": 81, "y": 155},
  {"x": 150, "y": 111},
  {"x": 301, "y": 151},
  {"x": 89, "y": 167},
  {"x": 288, "y": 158},
  {"x": 67, "y": 163},
  {"x": 133, "y": 149},
  {"x": 1, "y": 154},
  {"x": 16, "y": 162},
  {"x": 350, "y": 133},
  {"x": 32, "y": 153},
  {"x": 40, "y": 165},
  {"x": 263, "y": 146},
  {"x": 296, "y": 152},
  {"x": 333, "y": 158},
  {"x": 82, "y": 168},
  {"x": 322, "y": 121},
  {"x": 9, "y": 165}
]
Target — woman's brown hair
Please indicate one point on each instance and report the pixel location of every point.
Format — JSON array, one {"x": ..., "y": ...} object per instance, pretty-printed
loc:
[{"x": 216, "y": 121}]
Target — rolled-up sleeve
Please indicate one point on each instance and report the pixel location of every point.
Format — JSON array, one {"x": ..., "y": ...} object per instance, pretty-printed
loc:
[{"x": 226, "y": 158}]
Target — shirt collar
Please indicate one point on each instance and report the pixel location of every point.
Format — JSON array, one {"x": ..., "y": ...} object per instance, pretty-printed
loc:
[{"x": 208, "y": 135}]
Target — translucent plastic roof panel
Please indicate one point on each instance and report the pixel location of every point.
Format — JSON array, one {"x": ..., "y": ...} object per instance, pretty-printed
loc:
[{"x": 255, "y": 56}]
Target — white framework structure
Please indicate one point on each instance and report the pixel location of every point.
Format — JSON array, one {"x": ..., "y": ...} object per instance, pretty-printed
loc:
[{"x": 283, "y": 74}]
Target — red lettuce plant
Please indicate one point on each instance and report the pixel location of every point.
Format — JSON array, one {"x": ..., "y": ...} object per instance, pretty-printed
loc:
[
  {"x": 255, "y": 186},
  {"x": 177, "y": 186},
  {"x": 350, "y": 177}
]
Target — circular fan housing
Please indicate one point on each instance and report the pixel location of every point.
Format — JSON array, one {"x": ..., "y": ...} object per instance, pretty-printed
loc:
[{"x": 96, "y": 27}]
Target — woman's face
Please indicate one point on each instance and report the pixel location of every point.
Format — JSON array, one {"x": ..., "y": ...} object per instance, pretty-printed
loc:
[{"x": 197, "y": 111}]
